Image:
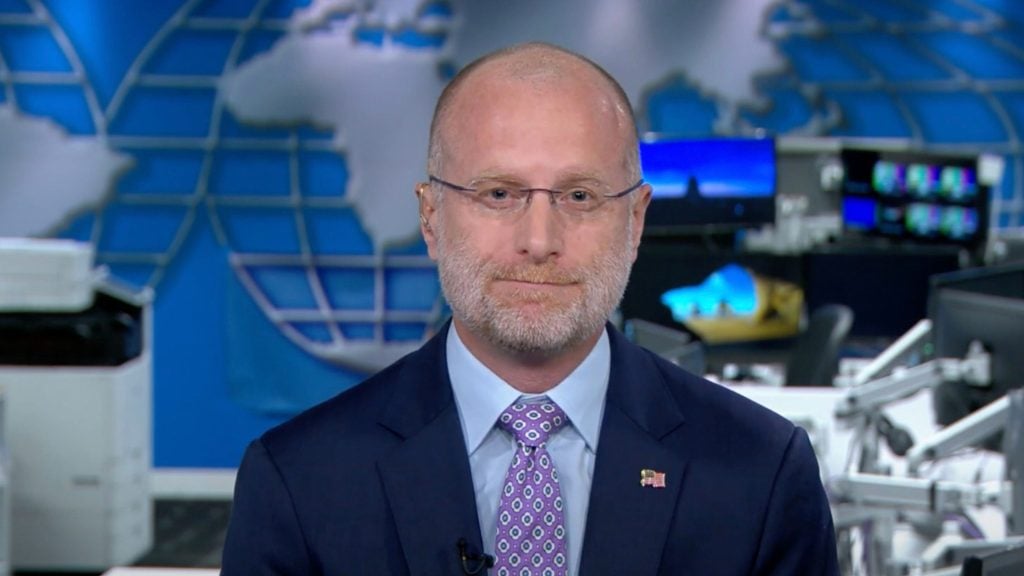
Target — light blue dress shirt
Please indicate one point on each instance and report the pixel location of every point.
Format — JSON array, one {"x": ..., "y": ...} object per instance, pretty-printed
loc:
[{"x": 481, "y": 396}]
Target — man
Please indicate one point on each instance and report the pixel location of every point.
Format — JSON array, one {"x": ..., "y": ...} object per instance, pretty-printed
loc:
[{"x": 528, "y": 434}]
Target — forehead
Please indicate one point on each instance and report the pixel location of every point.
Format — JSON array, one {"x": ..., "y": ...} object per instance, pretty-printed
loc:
[{"x": 536, "y": 126}]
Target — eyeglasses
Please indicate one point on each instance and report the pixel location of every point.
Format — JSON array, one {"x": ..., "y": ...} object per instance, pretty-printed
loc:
[{"x": 505, "y": 198}]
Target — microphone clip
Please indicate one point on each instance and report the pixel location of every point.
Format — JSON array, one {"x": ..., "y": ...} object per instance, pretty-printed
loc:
[{"x": 473, "y": 563}]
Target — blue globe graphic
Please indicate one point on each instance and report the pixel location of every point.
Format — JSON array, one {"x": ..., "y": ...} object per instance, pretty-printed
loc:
[
  {"x": 275, "y": 196},
  {"x": 938, "y": 74}
]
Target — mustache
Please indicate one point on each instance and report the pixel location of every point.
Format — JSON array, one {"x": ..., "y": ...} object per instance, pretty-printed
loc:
[{"x": 536, "y": 275}]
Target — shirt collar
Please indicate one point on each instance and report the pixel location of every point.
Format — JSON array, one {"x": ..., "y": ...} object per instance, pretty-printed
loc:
[{"x": 481, "y": 395}]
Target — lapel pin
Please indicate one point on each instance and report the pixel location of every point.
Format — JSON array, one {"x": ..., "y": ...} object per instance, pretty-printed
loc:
[{"x": 652, "y": 478}]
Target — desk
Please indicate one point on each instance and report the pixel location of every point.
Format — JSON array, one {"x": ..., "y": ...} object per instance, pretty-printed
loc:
[{"x": 813, "y": 408}]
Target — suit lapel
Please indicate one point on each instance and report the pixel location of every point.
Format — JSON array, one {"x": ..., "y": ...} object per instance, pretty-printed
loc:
[
  {"x": 627, "y": 523},
  {"x": 427, "y": 479}
]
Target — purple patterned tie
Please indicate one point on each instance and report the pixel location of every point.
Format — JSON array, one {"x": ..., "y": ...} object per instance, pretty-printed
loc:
[{"x": 531, "y": 525}]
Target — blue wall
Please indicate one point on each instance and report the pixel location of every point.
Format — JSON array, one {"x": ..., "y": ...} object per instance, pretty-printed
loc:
[{"x": 281, "y": 280}]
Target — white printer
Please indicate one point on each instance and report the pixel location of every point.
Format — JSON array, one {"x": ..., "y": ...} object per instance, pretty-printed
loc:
[{"x": 76, "y": 379}]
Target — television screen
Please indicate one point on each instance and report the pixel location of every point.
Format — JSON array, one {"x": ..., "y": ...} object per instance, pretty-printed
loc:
[
  {"x": 721, "y": 183},
  {"x": 913, "y": 197}
]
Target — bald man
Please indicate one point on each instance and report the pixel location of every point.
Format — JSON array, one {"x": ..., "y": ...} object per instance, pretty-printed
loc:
[{"x": 528, "y": 437}]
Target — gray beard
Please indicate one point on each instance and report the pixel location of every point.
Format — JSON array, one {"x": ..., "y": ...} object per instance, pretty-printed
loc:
[{"x": 464, "y": 281}]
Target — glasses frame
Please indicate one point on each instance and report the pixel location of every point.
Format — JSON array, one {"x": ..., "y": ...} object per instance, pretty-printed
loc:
[{"x": 529, "y": 192}]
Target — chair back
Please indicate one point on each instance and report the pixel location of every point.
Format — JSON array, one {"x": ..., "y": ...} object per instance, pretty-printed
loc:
[{"x": 815, "y": 357}]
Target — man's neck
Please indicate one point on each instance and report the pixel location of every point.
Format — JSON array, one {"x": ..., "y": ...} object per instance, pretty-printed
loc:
[{"x": 530, "y": 373}]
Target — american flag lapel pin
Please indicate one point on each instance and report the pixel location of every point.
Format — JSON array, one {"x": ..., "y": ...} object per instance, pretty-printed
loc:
[{"x": 652, "y": 478}]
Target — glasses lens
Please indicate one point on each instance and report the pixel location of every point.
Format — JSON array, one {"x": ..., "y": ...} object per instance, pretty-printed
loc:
[
  {"x": 579, "y": 199},
  {"x": 499, "y": 195}
]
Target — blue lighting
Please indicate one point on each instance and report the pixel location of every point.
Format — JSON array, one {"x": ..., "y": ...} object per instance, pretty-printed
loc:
[{"x": 728, "y": 290}]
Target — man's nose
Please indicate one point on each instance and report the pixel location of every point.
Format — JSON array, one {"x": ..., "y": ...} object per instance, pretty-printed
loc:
[{"x": 541, "y": 231}]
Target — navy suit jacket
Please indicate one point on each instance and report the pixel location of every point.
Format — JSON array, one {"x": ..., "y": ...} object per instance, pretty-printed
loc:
[{"x": 377, "y": 481}]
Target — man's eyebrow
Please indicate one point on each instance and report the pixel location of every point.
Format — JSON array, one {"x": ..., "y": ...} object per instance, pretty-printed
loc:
[
  {"x": 583, "y": 175},
  {"x": 564, "y": 179},
  {"x": 581, "y": 179},
  {"x": 498, "y": 177}
]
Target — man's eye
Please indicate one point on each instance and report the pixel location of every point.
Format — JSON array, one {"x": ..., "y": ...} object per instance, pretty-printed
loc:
[
  {"x": 580, "y": 195},
  {"x": 497, "y": 194}
]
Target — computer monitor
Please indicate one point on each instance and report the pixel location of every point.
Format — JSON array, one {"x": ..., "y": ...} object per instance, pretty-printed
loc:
[
  {"x": 1008, "y": 562},
  {"x": 716, "y": 184},
  {"x": 1005, "y": 280},
  {"x": 914, "y": 197},
  {"x": 984, "y": 305}
]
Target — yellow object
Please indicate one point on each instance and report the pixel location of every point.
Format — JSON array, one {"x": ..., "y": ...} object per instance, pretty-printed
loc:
[{"x": 777, "y": 315}]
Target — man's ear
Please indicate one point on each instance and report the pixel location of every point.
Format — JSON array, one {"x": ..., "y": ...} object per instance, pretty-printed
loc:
[
  {"x": 637, "y": 214},
  {"x": 428, "y": 210}
]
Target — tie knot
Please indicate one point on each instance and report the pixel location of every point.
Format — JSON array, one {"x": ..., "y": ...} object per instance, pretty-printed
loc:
[{"x": 532, "y": 422}]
